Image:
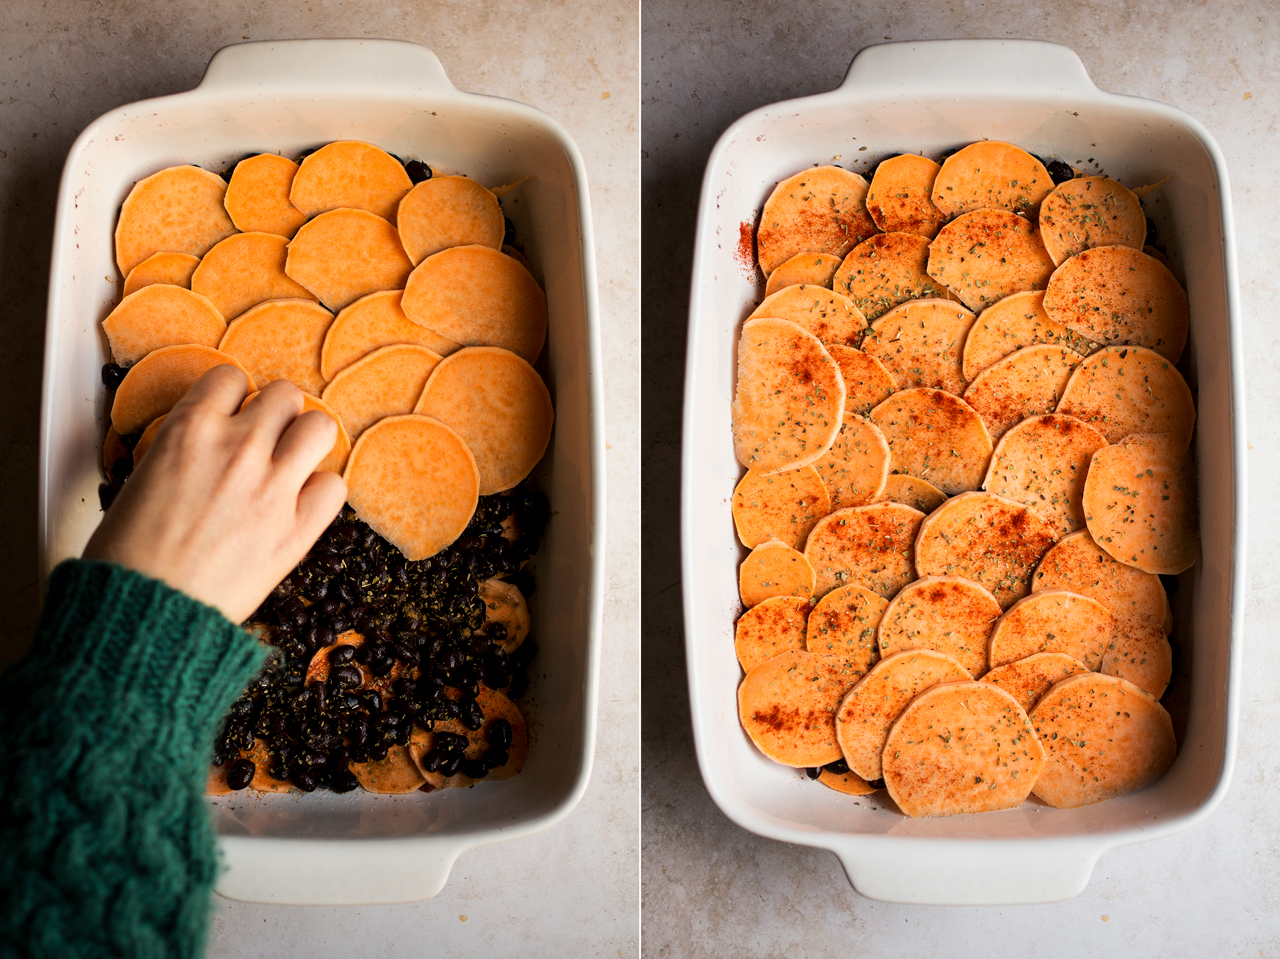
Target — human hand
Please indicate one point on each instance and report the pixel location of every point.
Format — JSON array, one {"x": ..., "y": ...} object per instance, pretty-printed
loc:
[{"x": 226, "y": 503}]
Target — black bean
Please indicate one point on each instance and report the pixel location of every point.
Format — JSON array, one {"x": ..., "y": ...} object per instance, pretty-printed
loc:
[
  {"x": 450, "y": 763},
  {"x": 130, "y": 440},
  {"x": 113, "y": 376},
  {"x": 451, "y": 708},
  {"x": 432, "y": 761},
  {"x": 1060, "y": 171},
  {"x": 378, "y": 753},
  {"x": 450, "y": 742},
  {"x": 509, "y": 232},
  {"x": 839, "y": 767},
  {"x": 319, "y": 691},
  {"x": 813, "y": 772},
  {"x": 499, "y": 734},
  {"x": 474, "y": 768},
  {"x": 324, "y": 636},
  {"x": 1153, "y": 235},
  {"x": 343, "y": 781},
  {"x": 380, "y": 667},
  {"x": 241, "y": 773},
  {"x": 304, "y": 780},
  {"x": 425, "y": 720},
  {"x": 345, "y": 676},
  {"x": 121, "y": 469},
  {"x": 106, "y": 495},
  {"x": 472, "y": 715},
  {"x": 494, "y": 758},
  {"x": 418, "y": 171}
]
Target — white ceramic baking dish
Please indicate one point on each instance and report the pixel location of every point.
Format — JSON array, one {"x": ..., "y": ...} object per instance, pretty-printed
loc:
[
  {"x": 932, "y": 96},
  {"x": 287, "y": 96}
]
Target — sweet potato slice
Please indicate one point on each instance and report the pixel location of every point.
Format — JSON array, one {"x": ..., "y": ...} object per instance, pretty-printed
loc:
[
  {"x": 1042, "y": 463},
  {"x": 505, "y": 604},
  {"x": 1052, "y": 621},
  {"x": 828, "y": 315},
  {"x": 781, "y": 506},
  {"x": 500, "y": 407},
  {"x": 161, "y": 315},
  {"x": 171, "y": 268},
  {"x": 870, "y": 708},
  {"x": 814, "y": 269},
  {"x": 335, "y": 460},
  {"x": 258, "y": 196},
  {"x": 886, "y": 270},
  {"x": 147, "y": 438},
  {"x": 413, "y": 480},
  {"x": 936, "y": 436},
  {"x": 387, "y": 382},
  {"x": 1008, "y": 325},
  {"x": 1026, "y": 383},
  {"x": 244, "y": 270},
  {"x": 478, "y": 296},
  {"x": 854, "y": 470},
  {"x": 913, "y": 491},
  {"x": 1104, "y": 737},
  {"x": 1140, "y": 503},
  {"x": 280, "y": 340},
  {"x": 1123, "y": 390},
  {"x": 958, "y": 748},
  {"x": 849, "y": 783},
  {"x": 990, "y": 539},
  {"x": 371, "y": 322},
  {"x": 178, "y": 210},
  {"x": 900, "y": 196},
  {"x": 1136, "y": 599},
  {"x": 872, "y": 546},
  {"x": 920, "y": 344},
  {"x": 349, "y": 174},
  {"x": 448, "y": 211},
  {"x": 866, "y": 382},
  {"x": 1027, "y": 679},
  {"x": 944, "y": 613},
  {"x": 787, "y": 706},
  {"x": 394, "y": 775},
  {"x": 987, "y": 255},
  {"x": 157, "y": 381},
  {"x": 343, "y": 255},
  {"x": 844, "y": 623},
  {"x": 789, "y": 402},
  {"x": 1143, "y": 656},
  {"x": 774, "y": 626},
  {"x": 990, "y": 175},
  {"x": 1090, "y": 211},
  {"x": 774, "y": 569},
  {"x": 493, "y": 705},
  {"x": 821, "y": 210},
  {"x": 1114, "y": 294},
  {"x": 113, "y": 449}
]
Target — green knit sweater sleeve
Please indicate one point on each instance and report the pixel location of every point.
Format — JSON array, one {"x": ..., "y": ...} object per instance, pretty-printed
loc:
[{"x": 106, "y": 847}]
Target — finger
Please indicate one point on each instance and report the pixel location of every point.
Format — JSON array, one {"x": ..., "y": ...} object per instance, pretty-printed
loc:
[
  {"x": 305, "y": 442},
  {"x": 222, "y": 388},
  {"x": 319, "y": 501},
  {"x": 271, "y": 411}
]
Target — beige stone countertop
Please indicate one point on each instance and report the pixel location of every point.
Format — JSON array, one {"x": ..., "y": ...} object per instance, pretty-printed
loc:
[
  {"x": 570, "y": 890},
  {"x": 713, "y": 889}
]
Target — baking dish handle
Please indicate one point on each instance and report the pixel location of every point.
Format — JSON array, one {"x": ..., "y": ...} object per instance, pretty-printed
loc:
[
  {"x": 1031, "y": 68},
  {"x": 963, "y": 873},
  {"x": 334, "y": 873},
  {"x": 347, "y": 66}
]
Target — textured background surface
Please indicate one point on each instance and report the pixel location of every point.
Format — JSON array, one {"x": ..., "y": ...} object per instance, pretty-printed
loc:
[
  {"x": 712, "y": 889},
  {"x": 571, "y": 890}
]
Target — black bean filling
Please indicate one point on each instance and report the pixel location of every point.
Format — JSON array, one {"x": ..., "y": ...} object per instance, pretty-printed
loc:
[
  {"x": 423, "y": 619},
  {"x": 1059, "y": 171},
  {"x": 418, "y": 171}
]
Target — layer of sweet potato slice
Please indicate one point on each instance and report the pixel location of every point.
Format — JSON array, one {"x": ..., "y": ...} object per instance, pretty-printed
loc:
[
  {"x": 1090, "y": 211},
  {"x": 781, "y": 506},
  {"x": 156, "y": 382},
  {"x": 1118, "y": 295},
  {"x": 947, "y": 614},
  {"x": 774, "y": 569},
  {"x": 1052, "y": 621},
  {"x": 1029, "y": 382},
  {"x": 349, "y": 174},
  {"x": 1122, "y": 390},
  {"x": 814, "y": 269},
  {"x": 161, "y": 315},
  {"x": 478, "y": 296},
  {"x": 147, "y": 438},
  {"x": 245, "y": 270},
  {"x": 987, "y": 255},
  {"x": 900, "y": 197},
  {"x": 395, "y": 774},
  {"x": 387, "y": 382},
  {"x": 844, "y": 623},
  {"x": 448, "y": 211},
  {"x": 774, "y": 626},
  {"x": 1008, "y": 325},
  {"x": 936, "y": 436},
  {"x": 335, "y": 461},
  {"x": 280, "y": 340},
  {"x": 828, "y": 315},
  {"x": 1027, "y": 679},
  {"x": 413, "y": 480},
  {"x": 821, "y": 210},
  {"x": 505, "y": 604},
  {"x": 920, "y": 344},
  {"x": 258, "y": 196},
  {"x": 178, "y": 210},
  {"x": 343, "y": 255},
  {"x": 787, "y": 705},
  {"x": 885, "y": 270},
  {"x": 1136, "y": 599},
  {"x": 963, "y": 747},
  {"x": 371, "y": 322},
  {"x": 912, "y": 491},
  {"x": 849, "y": 783},
  {"x": 1103, "y": 736},
  {"x": 789, "y": 404},
  {"x": 854, "y": 470},
  {"x": 990, "y": 174},
  {"x": 493, "y": 705},
  {"x": 499, "y": 405},
  {"x": 873, "y": 546},
  {"x": 172, "y": 268},
  {"x": 1143, "y": 656},
  {"x": 866, "y": 381}
]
